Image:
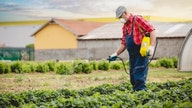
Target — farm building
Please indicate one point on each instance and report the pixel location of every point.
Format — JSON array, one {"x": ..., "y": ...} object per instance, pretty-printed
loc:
[
  {"x": 185, "y": 54},
  {"x": 57, "y": 39},
  {"x": 107, "y": 39},
  {"x": 102, "y": 41},
  {"x": 62, "y": 34}
]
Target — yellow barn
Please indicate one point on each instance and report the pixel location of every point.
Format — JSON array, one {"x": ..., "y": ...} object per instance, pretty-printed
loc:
[{"x": 62, "y": 34}]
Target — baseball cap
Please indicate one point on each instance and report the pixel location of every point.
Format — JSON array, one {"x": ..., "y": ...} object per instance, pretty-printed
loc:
[{"x": 119, "y": 11}]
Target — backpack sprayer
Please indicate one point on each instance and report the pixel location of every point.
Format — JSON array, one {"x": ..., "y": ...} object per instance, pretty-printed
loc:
[
  {"x": 143, "y": 51},
  {"x": 145, "y": 44}
]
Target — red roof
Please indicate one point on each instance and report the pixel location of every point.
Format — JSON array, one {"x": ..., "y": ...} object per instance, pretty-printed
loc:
[{"x": 79, "y": 27}]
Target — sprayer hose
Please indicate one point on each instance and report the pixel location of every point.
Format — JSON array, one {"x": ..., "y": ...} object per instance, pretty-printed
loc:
[{"x": 140, "y": 66}]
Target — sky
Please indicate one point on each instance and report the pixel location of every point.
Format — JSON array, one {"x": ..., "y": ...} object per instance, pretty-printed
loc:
[{"x": 20, "y": 10}]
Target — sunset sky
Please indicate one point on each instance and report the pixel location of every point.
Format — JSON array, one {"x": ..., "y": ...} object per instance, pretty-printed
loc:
[{"x": 19, "y": 10}]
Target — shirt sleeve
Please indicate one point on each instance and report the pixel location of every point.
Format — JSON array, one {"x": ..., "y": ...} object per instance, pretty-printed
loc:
[{"x": 144, "y": 24}]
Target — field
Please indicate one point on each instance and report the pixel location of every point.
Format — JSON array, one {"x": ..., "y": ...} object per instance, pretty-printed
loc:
[
  {"x": 166, "y": 87},
  {"x": 98, "y": 84},
  {"x": 13, "y": 82}
]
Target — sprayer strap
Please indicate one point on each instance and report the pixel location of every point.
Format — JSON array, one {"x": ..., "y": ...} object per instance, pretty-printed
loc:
[{"x": 140, "y": 29}]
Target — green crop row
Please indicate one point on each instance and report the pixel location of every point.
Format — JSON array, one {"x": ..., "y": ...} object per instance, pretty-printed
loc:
[
  {"x": 78, "y": 66},
  {"x": 159, "y": 95},
  {"x": 166, "y": 62}
]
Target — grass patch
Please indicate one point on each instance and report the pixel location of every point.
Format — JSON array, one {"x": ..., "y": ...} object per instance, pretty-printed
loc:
[
  {"x": 164, "y": 74},
  {"x": 18, "y": 79}
]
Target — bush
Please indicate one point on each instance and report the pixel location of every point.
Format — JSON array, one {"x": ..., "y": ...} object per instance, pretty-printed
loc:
[
  {"x": 21, "y": 67},
  {"x": 4, "y": 68},
  {"x": 166, "y": 62},
  {"x": 87, "y": 68},
  {"x": 103, "y": 65},
  {"x": 94, "y": 65},
  {"x": 152, "y": 64},
  {"x": 51, "y": 65},
  {"x": 115, "y": 65},
  {"x": 30, "y": 46},
  {"x": 77, "y": 67},
  {"x": 25, "y": 68},
  {"x": 157, "y": 64},
  {"x": 63, "y": 69},
  {"x": 16, "y": 67},
  {"x": 175, "y": 61},
  {"x": 33, "y": 66},
  {"x": 42, "y": 67}
]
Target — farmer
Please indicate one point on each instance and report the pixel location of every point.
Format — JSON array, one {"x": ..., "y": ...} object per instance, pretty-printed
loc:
[{"x": 133, "y": 32}]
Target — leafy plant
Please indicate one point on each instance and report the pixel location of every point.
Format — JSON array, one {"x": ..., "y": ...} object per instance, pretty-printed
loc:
[
  {"x": 51, "y": 65},
  {"x": 30, "y": 46},
  {"x": 94, "y": 65},
  {"x": 77, "y": 66},
  {"x": 115, "y": 65},
  {"x": 26, "y": 68},
  {"x": 4, "y": 68},
  {"x": 87, "y": 68},
  {"x": 42, "y": 67},
  {"x": 166, "y": 62},
  {"x": 103, "y": 65},
  {"x": 175, "y": 61},
  {"x": 168, "y": 94},
  {"x": 33, "y": 66},
  {"x": 16, "y": 67},
  {"x": 62, "y": 68}
]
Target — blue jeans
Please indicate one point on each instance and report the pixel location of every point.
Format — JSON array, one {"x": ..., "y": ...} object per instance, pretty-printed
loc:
[{"x": 138, "y": 65}]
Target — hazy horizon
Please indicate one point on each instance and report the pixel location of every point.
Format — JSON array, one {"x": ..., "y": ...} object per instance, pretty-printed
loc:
[{"x": 20, "y": 10}]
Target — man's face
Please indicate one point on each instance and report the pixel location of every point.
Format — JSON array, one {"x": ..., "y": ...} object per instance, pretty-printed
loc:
[
  {"x": 125, "y": 15},
  {"x": 123, "y": 18}
]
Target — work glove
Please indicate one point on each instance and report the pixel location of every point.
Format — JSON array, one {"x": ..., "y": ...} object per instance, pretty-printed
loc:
[
  {"x": 150, "y": 50},
  {"x": 112, "y": 57}
]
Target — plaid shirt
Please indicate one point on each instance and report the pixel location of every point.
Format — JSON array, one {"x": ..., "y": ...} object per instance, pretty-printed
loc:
[{"x": 140, "y": 27}]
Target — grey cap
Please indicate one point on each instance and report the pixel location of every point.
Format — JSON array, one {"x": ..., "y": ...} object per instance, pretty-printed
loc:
[{"x": 119, "y": 11}]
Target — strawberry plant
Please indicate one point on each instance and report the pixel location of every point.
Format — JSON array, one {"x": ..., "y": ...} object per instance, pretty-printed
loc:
[{"x": 168, "y": 94}]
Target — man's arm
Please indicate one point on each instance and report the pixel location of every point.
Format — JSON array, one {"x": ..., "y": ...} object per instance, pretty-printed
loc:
[
  {"x": 152, "y": 38},
  {"x": 152, "y": 42},
  {"x": 120, "y": 49}
]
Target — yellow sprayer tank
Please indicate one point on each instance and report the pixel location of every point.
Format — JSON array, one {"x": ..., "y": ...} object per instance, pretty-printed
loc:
[{"x": 144, "y": 46}]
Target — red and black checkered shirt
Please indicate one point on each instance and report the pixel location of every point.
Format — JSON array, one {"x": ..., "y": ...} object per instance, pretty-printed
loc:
[{"x": 140, "y": 27}]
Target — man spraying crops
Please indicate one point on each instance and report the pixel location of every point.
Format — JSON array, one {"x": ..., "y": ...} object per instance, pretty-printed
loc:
[{"x": 134, "y": 29}]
